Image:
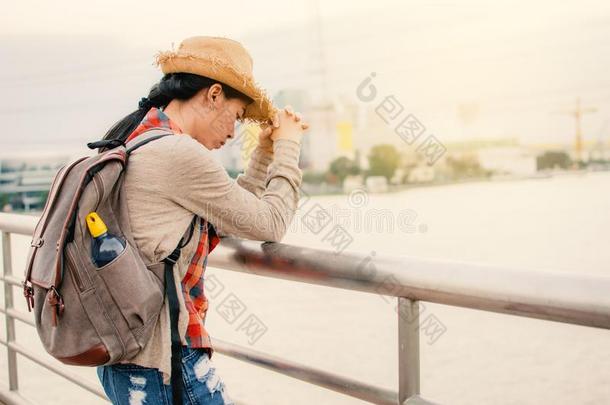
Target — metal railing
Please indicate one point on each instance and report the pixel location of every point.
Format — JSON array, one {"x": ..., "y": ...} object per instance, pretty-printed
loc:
[{"x": 563, "y": 297}]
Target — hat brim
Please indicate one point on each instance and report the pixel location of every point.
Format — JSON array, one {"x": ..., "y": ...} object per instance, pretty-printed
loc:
[{"x": 260, "y": 110}]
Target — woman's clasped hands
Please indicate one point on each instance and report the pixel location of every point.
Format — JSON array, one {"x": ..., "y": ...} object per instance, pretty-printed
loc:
[{"x": 285, "y": 124}]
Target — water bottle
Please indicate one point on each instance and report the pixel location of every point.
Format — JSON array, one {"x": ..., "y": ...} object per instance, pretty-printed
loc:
[{"x": 105, "y": 247}]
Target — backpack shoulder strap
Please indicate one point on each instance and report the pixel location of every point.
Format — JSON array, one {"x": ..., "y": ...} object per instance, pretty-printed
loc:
[
  {"x": 146, "y": 137},
  {"x": 174, "y": 313}
]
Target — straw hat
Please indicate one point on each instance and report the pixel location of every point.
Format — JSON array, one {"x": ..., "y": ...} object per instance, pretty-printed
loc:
[{"x": 221, "y": 59}]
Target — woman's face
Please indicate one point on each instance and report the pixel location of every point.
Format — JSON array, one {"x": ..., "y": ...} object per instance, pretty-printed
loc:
[{"x": 215, "y": 117}]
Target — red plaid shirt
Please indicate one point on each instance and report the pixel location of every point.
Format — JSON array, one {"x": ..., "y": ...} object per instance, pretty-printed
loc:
[{"x": 192, "y": 282}]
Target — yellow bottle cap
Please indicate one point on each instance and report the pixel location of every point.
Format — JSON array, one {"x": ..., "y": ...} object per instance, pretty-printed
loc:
[{"x": 95, "y": 224}]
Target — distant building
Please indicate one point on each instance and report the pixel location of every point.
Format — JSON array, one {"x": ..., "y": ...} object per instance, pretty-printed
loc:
[
  {"x": 421, "y": 174},
  {"x": 352, "y": 183},
  {"x": 25, "y": 178},
  {"x": 29, "y": 173},
  {"x": 377, "y": 184},
  {"x": 553, "y": 160},
  {"x": 508, "y": 160}
]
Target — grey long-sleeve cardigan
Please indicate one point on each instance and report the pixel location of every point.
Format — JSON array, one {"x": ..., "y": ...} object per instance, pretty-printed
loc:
[{"x": 173, "y": 178}]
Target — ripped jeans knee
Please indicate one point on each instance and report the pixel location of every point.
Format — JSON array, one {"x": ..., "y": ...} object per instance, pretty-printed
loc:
[
  {"x": 130, "y": 384},
  {"x": 202, "y": 380}
]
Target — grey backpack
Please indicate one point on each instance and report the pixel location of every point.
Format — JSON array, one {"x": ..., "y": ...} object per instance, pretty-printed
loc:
[{"x": 86, "y": 315}]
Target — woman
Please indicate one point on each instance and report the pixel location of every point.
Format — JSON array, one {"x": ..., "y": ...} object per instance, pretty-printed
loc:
[{"x": 176, "y": 191}]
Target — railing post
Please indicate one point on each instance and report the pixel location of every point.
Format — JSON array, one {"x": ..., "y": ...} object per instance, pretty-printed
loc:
[
  {"x": 408, "y": 349},
  {"x": 8, "y": 305}
]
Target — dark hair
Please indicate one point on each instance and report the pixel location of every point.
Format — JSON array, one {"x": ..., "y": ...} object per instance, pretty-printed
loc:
[{"x": 181, "y": 86}]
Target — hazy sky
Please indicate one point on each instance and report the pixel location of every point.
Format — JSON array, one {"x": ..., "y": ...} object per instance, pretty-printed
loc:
[{"x": 71, "y": 68}]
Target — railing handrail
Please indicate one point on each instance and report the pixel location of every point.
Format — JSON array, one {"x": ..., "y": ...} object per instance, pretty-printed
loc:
[
  {"x": 580, "y": 299},
  {"x": 18, "y": 223}
]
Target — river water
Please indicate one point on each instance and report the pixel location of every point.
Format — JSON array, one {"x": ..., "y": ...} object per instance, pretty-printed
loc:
[{"x": 560, "y": 223}]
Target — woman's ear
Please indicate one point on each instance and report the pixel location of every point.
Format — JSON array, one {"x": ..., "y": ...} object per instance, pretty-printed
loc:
[
  {"x": 207, "y": 98},
  {"x": 214, "y": 92}
]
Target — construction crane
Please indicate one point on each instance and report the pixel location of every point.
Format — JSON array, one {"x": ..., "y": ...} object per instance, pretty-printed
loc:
[{"x": 577, "y": 113}]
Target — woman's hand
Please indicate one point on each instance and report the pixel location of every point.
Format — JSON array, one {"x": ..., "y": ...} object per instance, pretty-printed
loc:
[
  {"x": 290, "y": 126},
  {"x": 268, "y": 131},
  {"x": 264, "y": 137}
]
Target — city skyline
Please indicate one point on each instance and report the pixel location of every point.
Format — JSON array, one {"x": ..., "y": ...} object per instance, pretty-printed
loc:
[{"x": 435, "y": 59}]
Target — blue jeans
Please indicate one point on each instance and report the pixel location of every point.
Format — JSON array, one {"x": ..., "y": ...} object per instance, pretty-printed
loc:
[{"x": 130, "y": 384}]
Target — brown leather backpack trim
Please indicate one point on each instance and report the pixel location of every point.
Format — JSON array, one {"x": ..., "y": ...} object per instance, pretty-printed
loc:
[
  {"x": 42, "y": 223},
  {"x": 96, "y": 356}
]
